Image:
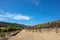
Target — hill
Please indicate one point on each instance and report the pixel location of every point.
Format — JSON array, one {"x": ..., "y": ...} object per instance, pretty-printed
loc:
[
  {"x": 11, "y": 26},
  {"x": 54, "y": 24}
]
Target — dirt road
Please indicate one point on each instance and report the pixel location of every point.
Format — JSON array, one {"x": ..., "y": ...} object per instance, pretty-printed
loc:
[{"x": 26, "y": 35}]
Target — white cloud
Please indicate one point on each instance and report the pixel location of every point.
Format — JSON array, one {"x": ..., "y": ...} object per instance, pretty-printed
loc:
[
  {"x": 7, "y": 15},
  {"x": 36, "y": 2},
  {"x": 1, "y": 15},
  {"x": 1, "y": 19},
  {"x": 21, "y": 17}
]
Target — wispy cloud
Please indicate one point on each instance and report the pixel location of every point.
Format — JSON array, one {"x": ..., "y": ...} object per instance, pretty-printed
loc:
[
  {"x": 36, "y": 2},
  {"x": 1, "y": 11},
  {"x": 7, "y": 15}
]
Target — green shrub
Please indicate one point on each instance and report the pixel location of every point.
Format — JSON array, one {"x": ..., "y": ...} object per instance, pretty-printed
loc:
[{"x": 2, "y": 35}]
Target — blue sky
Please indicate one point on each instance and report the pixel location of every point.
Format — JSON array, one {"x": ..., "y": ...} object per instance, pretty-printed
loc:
[{"x": 29, "y": 12}]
